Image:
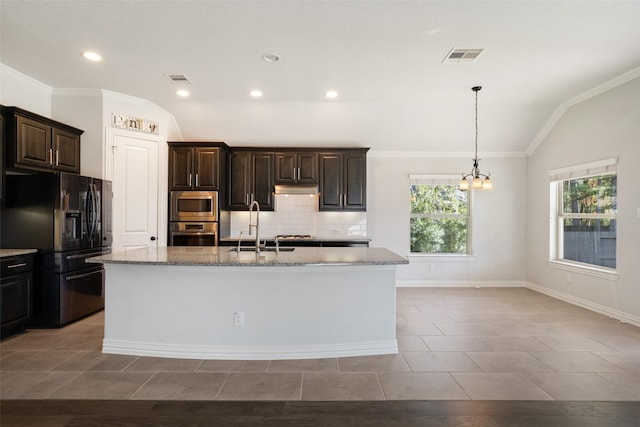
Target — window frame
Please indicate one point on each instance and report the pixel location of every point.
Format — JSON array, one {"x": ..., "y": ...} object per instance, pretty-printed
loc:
[
  {"x": 449, "y": 180},
  {"x": 557, "y": 216}
]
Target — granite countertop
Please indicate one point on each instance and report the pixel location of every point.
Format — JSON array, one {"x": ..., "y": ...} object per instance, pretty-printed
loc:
[
  {"x": 4, "y": 253},
  {"x": 224, "y": 256}
]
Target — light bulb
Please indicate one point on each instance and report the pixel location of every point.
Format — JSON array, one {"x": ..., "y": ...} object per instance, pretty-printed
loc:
[
  {"x": 464, "y": 184},
  {"x": 477, "y": 183},
  {"x": 487, "y": 184}
]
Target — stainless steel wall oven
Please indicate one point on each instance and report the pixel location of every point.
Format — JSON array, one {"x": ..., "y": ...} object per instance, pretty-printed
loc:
[
  {"x": 193, "y": 234},
  {"x": 194, "y": 218}
]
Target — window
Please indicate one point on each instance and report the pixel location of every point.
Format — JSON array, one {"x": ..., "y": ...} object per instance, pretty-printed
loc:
[
  {"x": 584, "y": 203},
  {"x": 440, "y": 216}
]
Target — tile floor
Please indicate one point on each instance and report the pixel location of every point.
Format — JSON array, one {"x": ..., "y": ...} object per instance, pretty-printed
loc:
[{"x": 455, "y": 344}]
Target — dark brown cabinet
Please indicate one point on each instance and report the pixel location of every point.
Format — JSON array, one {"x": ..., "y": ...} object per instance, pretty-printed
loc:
[
  {"x": 194, "y": 167},
  {"x": 16, "y": 287},
  {"x": 296, "y": 167},
  {"x": 250, "y": 178},
  {"x": 343, "y": 180},
  {"x": 36, "y": 142}
]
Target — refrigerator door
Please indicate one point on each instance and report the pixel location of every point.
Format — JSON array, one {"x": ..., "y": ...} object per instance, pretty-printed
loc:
[
  {"x": 81, "y": 293},
  {"x": 74, "y": 213}
]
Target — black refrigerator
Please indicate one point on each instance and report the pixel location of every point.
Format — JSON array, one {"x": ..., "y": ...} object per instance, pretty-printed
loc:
[{"x": 67, "y": 218}]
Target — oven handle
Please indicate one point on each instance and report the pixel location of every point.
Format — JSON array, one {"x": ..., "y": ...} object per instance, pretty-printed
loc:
[
  {"x": 81, "y": 276},
  {"x": 178, "y": 233}
]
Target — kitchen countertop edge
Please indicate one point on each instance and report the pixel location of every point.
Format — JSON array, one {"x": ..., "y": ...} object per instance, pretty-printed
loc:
[
  {"x": 6, "y": 253},
  {"x": 218, "y": 256}
]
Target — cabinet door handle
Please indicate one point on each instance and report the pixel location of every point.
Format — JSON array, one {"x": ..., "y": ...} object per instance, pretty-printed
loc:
[
  {"x": 189, "y": 180},
  {"x": 51, "y": 156},
  {"x": 197, "y": 184},
  {"x": 22, "y": 264},
  {"x": 57, "y": 157},
  {"x": 298, "y": 178}
]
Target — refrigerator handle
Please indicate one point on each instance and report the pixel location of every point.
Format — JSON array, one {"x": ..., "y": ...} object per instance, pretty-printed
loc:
[
  {"x": 87, "y": 212},
  {"x": 96, "y": 208}
]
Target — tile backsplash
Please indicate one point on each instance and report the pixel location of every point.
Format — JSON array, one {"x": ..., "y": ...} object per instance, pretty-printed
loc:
[{"x": 298, "y": 214}]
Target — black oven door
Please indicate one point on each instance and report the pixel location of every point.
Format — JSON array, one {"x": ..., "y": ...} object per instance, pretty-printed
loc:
[{"x": 193, "y": 239}]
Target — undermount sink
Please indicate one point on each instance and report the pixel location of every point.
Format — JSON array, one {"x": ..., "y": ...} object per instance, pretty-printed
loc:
[{"x": 267, "y": 249}]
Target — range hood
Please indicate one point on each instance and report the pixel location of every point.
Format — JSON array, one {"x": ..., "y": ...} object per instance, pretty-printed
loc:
[{"x": 296, "y": 189}]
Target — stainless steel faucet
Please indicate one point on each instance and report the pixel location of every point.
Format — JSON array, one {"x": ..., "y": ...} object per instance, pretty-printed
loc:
[{"x": 257, "y": 224}]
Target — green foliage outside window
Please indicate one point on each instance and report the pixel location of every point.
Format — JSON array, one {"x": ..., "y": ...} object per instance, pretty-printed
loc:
[
  {"x": 587, "y": 230},
  {"x": 439, "y": 219}
]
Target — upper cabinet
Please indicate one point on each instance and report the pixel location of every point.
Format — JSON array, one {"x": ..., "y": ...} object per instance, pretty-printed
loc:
[
  {"x": 250, "y": 178},
  {"x": 36, "y": 142},
  {"x": 195, "y": 166},
  {"x": 343, "y": 180},
  {"x": 296, "y": 167}
]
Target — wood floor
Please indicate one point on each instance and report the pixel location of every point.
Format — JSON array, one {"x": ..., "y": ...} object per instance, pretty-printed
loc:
[
  {"x": 467, "y": 357},
  {"x": 58, "y": 413}
]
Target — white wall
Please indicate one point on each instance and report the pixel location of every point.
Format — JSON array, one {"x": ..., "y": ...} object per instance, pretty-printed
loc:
[
  {"x": 498, "y": 219},
  {"x": 20, "y": 90},
  {"x": 83, "y": 109},
  {"x": 605, "y": 126}
]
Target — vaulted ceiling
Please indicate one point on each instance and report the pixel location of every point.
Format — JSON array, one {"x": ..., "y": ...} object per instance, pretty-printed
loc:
[{"x": 384, "y": 58}]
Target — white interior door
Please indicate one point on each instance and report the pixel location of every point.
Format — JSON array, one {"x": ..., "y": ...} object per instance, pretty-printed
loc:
[{"x": 135, "y": 192}]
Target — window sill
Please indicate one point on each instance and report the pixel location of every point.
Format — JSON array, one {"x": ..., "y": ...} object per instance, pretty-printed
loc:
[
  {"x": 601, "y": 273},
  {"x": 418, "y": 257}
]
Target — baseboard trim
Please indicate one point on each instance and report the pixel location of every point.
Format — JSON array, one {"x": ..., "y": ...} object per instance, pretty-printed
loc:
[
  {"x": 589, "y": 305},
  {"x": 460, "y": 283},
  {"x": 135, "y": 348}
]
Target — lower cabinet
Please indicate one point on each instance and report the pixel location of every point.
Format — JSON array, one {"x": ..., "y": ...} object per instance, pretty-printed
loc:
[{"x": 16, "y": 286}]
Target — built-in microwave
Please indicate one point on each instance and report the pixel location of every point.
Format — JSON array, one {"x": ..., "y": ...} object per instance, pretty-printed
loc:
[{"x": 194, "y": 206}]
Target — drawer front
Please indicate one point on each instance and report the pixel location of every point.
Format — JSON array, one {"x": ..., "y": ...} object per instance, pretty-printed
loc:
[{"x": 11, "y": 266}]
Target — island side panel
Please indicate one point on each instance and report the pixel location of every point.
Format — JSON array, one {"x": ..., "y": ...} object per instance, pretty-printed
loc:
[{"x": 289, "y": 313}]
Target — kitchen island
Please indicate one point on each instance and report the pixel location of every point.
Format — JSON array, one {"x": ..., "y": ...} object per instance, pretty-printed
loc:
[{"x": 219, "y": 303}]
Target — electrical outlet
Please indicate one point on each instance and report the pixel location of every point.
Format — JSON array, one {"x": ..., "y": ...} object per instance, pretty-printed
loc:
[{"x": 238, "y": 318}]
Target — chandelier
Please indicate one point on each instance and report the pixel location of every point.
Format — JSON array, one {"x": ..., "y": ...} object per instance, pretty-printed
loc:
[{"x": 478, "y": 180}]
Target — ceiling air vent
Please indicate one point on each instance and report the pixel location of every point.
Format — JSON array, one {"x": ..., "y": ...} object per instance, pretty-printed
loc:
[
  {"x": 178, "y": 78},
  {"x": 462, "y": 55}
]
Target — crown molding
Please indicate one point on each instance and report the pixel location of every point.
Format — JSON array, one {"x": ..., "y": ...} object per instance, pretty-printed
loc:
[
  {"x": 24, "y": 77},
  {"x": 444, "y": 154},
  {"x": 562, "y": 108}
]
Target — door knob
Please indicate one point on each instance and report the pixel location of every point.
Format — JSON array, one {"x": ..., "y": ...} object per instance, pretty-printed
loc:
[{"x": 153, "y": 238}]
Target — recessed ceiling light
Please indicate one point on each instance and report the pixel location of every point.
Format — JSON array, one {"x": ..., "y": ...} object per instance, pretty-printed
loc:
[
  {"x": 92, "y": 56},
  {"x": 256, "y": 93},
  {"x": 182, "y": 92},
  {"x": 270, "y": 57},
  {"x": 332, "y": 94}
]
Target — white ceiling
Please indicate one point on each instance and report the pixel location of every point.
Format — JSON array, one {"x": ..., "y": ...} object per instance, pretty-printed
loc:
[{"x": 383, "y": 57}]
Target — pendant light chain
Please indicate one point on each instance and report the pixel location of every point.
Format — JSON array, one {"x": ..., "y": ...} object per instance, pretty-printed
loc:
[
  {"x": 477, "y": 124},
  {"x": 476, "y": 180}
]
